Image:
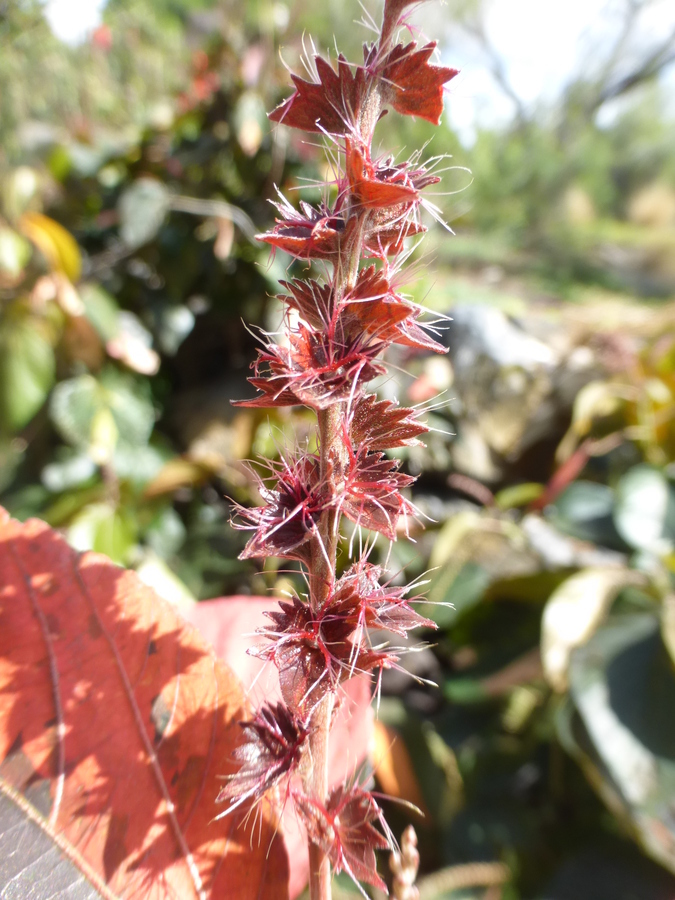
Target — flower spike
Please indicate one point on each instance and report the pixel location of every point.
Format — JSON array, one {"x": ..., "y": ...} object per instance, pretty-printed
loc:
[{"x": 336, "y": 335}]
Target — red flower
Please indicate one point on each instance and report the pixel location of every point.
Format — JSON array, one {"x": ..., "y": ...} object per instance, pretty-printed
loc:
[
  {"x": 372, "y": 498},
  {"x": 274, "y": 741},
  {"x": 292, "y": 508},
  {"x": 316, "y": 370},
  {"x": 345, "y": 830},
  {"x": 360, "y": 599},
  {"x": 308, "y": 233},
  {"x": 379, "y": 184}
]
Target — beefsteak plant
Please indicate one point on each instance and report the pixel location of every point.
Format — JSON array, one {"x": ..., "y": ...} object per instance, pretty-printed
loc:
[{"x": 335, "y": 338}]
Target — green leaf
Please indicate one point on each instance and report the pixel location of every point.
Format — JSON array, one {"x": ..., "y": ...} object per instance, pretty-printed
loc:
[
  {"x": 66, "y": 506},
  {"x": 573, "y": 613},
  {"x": 142, "y": 209},
  {"x": 166, "y": 533},
  {"x": 27, "y": 371},
  {"x": 73, "y": 406},
  {"x": 584, "y": 510},
  {"x": 464, "y": 691},
  {"x": 138, "y": 464},
  {"x": 70, "y": 470},
  {"x": 518, "y": 495},
  {"x": 452, "y": 593},
  {"x": 12, "y": 453},
  {"x": 98, "y": 416},
  {"x": 104, "y": 528},
  {"x": 154, "y": 572},
  {"x": 26, "y": 502},
  {"x": 57, "y": 245},
  {"x": 668, "y": 624},
  {"x": 101, "y": 310},
  {"x": 173, "y": 325},
  {"x": 644, "y": 512},
  {"x": 14, "y": 252}
]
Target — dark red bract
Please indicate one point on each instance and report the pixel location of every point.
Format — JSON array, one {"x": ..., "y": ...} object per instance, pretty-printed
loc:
[
  {"x": 414, "y": 85},
  {"x": 293, "y": 505},
  {"x": 383, "y": 425},
  {"x": 345, "y": 829},
  {"x": 274, "y": 742}
]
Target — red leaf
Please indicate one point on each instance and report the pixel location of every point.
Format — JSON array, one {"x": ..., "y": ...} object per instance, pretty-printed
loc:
[
  {"x": 313, "y": 301},
  {"x": 380, "y": 184},
  {"x": 410, "y": 334},
  {"x": 313, "y": 651},
  {"x": 331, "y": 104},
  {"x": 389, "y": 232},
  {"x": 373, "y": 187},
  {"x": 116, "y": 721},
  {"x": 300, "y": 654},
  {"x": 373, "y": 307},
  {"x": 415, "y": 88}
]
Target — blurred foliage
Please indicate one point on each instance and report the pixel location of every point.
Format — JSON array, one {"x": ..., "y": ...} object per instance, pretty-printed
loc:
[{"x": 135, "y": 170}]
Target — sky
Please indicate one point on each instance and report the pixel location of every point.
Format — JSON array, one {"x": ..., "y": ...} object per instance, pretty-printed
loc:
[
  {"x": 73, "y": 20},
  {"x": 542, "y": 42}
]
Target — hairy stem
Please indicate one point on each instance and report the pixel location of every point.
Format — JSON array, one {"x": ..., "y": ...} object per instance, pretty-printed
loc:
[
  {"x": 319, "y": 864},
  {"x": 321, "y": 582},
  {"x": 324, "y": 552}
]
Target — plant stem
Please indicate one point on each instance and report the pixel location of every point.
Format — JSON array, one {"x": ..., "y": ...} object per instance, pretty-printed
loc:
[
  {"x": 319, "y": 864},
  {"x": 321, "y": 582},
  {"x": 324, "y": 552}
]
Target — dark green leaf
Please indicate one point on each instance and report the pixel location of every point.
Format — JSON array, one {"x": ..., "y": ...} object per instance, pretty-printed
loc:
[
  {"x": 584, "y": 510},
  {"x": 623, "y": 686}
]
